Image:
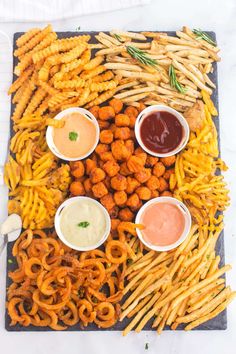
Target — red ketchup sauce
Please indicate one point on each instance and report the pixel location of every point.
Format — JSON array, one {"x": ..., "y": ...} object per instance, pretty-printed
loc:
[{"x": 161, "y": 132}]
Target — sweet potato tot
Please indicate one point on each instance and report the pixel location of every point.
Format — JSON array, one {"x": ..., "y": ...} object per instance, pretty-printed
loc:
[
  {"x": 143, "y": 175},
  {"x": 164, "y": 186},
  {"x": 155, "y": 193},
  {"x": 116, "y": 104},
  {"x": 99, "y": 190},
  {"x": 119, "y": 182},
  {"x": 159, "y": 169},
  {"x": 132, "y": 184},
  {"x": 119, "y": 150},
  {"x": 114, "y": 224},
  {"x": 166, "y": 194},
  {"x": 103, "y": 124},
  {"x": 111, "y": 168},
  {"x": 144, "y": 193},
  {"x": 130, "y": 146},
  {"x": 168, "y": 161},
  {"x": 124, "y": 169},
  {"x": 79, "y": 170},
  {"x": 168, "y": 173},
  {"x": 89, "y": 165},
  {"x": 106, "y": 113},
  {"x": 94, "y": 110},
  {"x": 106, "y": 156},
  {"x": 88, "y": 185},
  {"x": 122, "y": 133},
  {"x": 122, "y": 120},
  {"x": 77, "y": 188},
  {"x": 135, "y": 164},
  {"x": 101, "y": 148},
  {"x": 106, "y": 136},
  {"x": 126, "y": 214},
  {"x": 151, "y": 161},
  {"x": 153, "y": 183},
  {"x": 131, "y": 111},
  {"x": 120, "y": 198},
  {"x": 108, "y": 201},
  {"x": 133, "y": 201},
  {"x": 132, "y": 121},
  {"x": 97, "y": 175}
]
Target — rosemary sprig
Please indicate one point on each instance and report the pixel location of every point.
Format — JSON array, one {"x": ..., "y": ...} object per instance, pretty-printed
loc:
[
  {"x": 141, "y": 56},
  {"x": 203, "y": 35},
  {"x": 116, "y": 36},
  {"x": 173, "y": 80}
]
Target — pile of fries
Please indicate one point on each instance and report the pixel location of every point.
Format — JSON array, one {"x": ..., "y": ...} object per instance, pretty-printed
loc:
[
  {"x": 57, "y": 287},
  {"x": 144, "y": 66},
  {"x": 38, "y": 183}
]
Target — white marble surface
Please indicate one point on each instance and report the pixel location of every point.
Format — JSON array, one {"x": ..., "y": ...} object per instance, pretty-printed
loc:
[{"x": 214, "y": 15}]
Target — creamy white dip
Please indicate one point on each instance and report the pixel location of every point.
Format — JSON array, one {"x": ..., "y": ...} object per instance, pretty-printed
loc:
[{"x": 83, "y": 223}]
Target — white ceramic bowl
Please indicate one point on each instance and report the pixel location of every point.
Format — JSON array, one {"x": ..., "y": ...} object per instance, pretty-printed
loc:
[
  {"x": 185, "y": 233},
  {"x": 158, "y": 108},
  {"x": 62, "y": 114},
  {"x": 60, "y": 234}
]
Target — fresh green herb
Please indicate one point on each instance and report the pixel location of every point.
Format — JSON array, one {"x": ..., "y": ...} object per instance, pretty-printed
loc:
[
  {"x": 78, "y": 28},
  {"x": 173, "y": 80},
  {"x": 129, "y": 261},
  {"x": 141, "y": 56},
  {"x": 73, "y": 136},
  {"x": 10, "y": 261},
  {"x": 116, "y": 36},
  {"x": 146, "y": 346},
  {"x": 203, "y": 35},
  {"x": 83, "y": 224}
]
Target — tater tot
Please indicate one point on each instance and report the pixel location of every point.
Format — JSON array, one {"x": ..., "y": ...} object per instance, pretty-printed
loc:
[
  {"x": 151, "y": 161},
  {"x": 141, "y": 107},
  {"x": 142, "y": 155},
  {"x": 119, "y": 150},
  {"x": 163, "y": 185},
  {"x": 153, "y": 183},
  {"x": 133, "y": 201},
  {"x": 99, "y": 190},
  {"x": 144, "y": 193},
  {"x": 124, "y": 169},
  {"x": 97, "y": 175},
  {"x": 166, "y": 194},
  {"x": 126, "y": 214},
  {"x": 103, "y": 124},
  {"x": 88, "y": 185},
  {"x": 132, "y": 121},
  {"x": 106, "y": 156},
  {"x": 79, "y": 170},
  {"x": 144, "y": 175},
  {"x": 89, "y": 165},
  {"x": 77, "y": 188},
  {"x": 101, "y": 148},
  {"x": 94, "y": 110},
  {"x": 155, "y": 193},
  {"x": 113, "y": 212},
  {"x": 119, "y": 182},
  {"x": 106, "y": 137},
  {"x": 132, "y": 184},
  {"x": 159, "y": 169},
  {"x": 168, "y": 173},
  {"x": 108, "y": 201},
  {"x": 130, "y": 146},
  {"x": 120, "y": 198},
  {"x": 131, "y": 111},
  {"x": 116, "y": 104},
  {"x": 114, "y": 224},
  {"x": 168, "y": 161},
  {"x": 106, "y": 113},
  {"x": 122, "y": 120},
  {"x": 135, "y": 164},
  {"x": 122, "y": 133},
  {"x": 111, "y": 168}
]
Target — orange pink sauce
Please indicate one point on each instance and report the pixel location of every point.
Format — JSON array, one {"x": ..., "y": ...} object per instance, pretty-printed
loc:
[
  {"x": 163, "y": 224},
  {"x": 76, "y": 138}
]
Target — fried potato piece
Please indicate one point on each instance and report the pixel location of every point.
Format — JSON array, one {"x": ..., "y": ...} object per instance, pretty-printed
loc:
[
  {"x": 163, "y": 185},
  {"x": 133, "y": 201},
  {"x": 126, "y": 214},
  {"x": 106, "y": 113},
  {"x": 135, "y": 164},
  {"x": 119, "y": 182},
  {"x": 132, "y": 184},
  {"x": 168, "y": 161},
  {"x": 89, "y": 165},
  {"x": 124, "y": 170},
  {"x": 116, "y": 104},
  {"x": 120, "y": 198},
  {"x": 101, "y": 148},
  {"x": 144, "y": 193},
  {"x": 159, "y": 169},
  {"x": 111, "y": 168},
  {"x": 77, "y": 169},
  {"x": 119, "y": 150},
  {"x": 153, "y": 183},
  {"x": 87, "y": 185},
  {"x": 143, "y": 175},
  {"x": 122, "y": 120},
  {"x": 106, "y": 137},
  {"x": 77, "y": 188},
  {"x": 131, "y": 111},
  {"x": 97, "y": 175},
  {"x": 151, "y": 161},
  {"x": 122, "y": 133},
  {"x": 99, "y": 190},
  {"x": 108, "y": 201},
  {"x": 95, "y": 111}
]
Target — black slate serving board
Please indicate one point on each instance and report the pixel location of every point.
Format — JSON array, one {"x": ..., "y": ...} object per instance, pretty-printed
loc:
[{"x": 217, "y": 323}]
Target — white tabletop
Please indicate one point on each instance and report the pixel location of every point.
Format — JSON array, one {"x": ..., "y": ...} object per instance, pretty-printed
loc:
[{"x": 216, "y": 15}]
